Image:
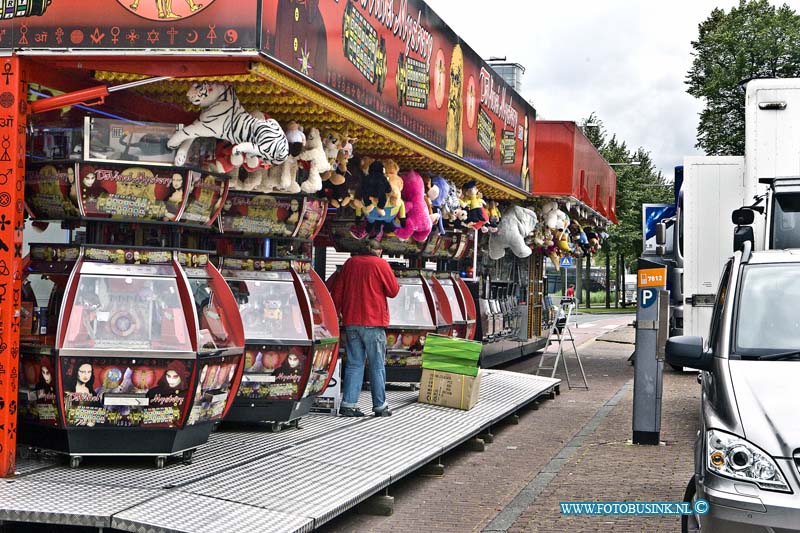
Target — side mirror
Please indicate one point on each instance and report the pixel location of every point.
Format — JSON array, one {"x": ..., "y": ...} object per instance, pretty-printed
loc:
[
  {"x": 687, "y": 350},
  {"x": 661, "y": 234},
  {"x": 661, "y": 250},
  {"x": 743, "y": 216}
]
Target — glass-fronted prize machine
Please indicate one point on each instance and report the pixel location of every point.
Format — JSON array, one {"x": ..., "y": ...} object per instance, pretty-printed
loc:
[
  {"x": 289, "y": 318},
  {"x": 291, "y": 336},
  {"x": 461, "y": 304},
  {"x": 146, "y": 357},
  {"x": 421, "y": 307},
  {"x": 140, "y": 336}
]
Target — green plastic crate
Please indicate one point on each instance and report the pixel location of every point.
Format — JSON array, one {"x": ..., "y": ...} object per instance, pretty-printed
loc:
[
  {"x": 453, "y": 368},
  {"x": 458, "y": 351}
]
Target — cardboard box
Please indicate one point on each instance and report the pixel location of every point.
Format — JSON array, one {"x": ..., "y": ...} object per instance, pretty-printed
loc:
[
  {"x": 448, "y": 389},
  {"x": 329, "y": 401}
]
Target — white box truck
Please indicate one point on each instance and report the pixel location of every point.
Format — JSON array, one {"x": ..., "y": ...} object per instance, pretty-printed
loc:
[
  {"x": 712, "y": 188},
  {"x": 715, "y": 186}
]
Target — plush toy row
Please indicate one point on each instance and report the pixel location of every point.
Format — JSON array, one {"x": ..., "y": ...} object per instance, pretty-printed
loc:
[
  {"x": 385, "y": 202},
  {"x": 551, "y": 231}
]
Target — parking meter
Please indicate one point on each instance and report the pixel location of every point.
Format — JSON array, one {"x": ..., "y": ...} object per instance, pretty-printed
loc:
[{"x": 652, "y": 323}]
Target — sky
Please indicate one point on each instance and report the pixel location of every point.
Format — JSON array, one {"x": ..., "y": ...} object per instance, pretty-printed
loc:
[{"x": 624, "y": 60}]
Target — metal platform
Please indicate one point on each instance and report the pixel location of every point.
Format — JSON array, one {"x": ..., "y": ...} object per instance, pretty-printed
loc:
[{"x": 254, "y": 480}]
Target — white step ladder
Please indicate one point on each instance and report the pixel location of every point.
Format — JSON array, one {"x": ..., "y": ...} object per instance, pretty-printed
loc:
[{"x": 556, "y": 336}]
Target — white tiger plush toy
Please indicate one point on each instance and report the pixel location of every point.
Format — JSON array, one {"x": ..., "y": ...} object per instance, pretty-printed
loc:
[{"x": 224, "y": 117}]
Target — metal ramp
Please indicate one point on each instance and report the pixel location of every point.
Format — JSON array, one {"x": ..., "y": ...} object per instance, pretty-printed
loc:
[{"x": 252, "y": 480}]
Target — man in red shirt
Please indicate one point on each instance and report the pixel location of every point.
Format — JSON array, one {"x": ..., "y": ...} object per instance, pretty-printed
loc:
[{"x": 359, "y": 292}]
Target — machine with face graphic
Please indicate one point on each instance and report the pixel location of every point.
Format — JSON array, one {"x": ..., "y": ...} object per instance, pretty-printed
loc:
[
  {"x": 422, "y": 306},
  {"x": 291, "y": 336},
  {"x": 130, "y": 341}
]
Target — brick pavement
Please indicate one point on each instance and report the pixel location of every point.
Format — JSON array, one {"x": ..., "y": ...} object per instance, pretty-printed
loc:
[{"x": 478, "y": 485}]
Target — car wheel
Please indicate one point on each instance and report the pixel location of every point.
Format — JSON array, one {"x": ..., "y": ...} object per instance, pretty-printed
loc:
[{"x": 689, "y": 522}]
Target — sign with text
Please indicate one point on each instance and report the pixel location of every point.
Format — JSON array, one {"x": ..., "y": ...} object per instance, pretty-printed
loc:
[
  {"x": 129, "y": 24},
  {"x": 401, "y": 61},
  {"x": 652, "y": 277}
]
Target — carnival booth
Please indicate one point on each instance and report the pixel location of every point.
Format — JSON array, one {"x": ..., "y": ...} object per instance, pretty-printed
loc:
[
  {"x": 146, "y": 352},
  {"x": 214, "y": 126},
  {"x": 291, "y": 335}
]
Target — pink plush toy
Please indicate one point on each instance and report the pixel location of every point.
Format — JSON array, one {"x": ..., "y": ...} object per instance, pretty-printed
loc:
[{"x": 418, "y": 221}]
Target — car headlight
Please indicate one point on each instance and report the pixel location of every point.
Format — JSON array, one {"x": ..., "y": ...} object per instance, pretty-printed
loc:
[{"x": 734, "y": 457}]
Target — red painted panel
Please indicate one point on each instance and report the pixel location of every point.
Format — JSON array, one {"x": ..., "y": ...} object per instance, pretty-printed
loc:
[
  {"x": 567, "y": 164},
  {"x": 12, "y": 201}
]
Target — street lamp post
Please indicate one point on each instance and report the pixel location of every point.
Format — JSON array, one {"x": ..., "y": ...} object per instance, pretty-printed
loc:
[{"x": 608, "y": 252}]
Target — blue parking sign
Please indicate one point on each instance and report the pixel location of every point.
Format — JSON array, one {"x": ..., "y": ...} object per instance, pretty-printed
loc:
[{"x": 648, "y": 297}]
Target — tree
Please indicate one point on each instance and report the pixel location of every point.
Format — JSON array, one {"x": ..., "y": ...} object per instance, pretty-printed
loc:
[
  {"x": 753, "y": 40},
  {"x": 636, "y": 185}
]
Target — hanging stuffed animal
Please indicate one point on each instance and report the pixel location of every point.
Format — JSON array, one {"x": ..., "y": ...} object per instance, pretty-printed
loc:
[
  {"x": 494, "y": 217},
  {"x": 438, "y": 193},
  {"x": 295, "y": 137},
  {"x": 451, "y": 204},
  {"x": 283, "y": 177},
  {"x": 394, "y": 216},
  {"x": 374, "y": 188},
  {"x": 395, "y": 180},
  {"x": 473, "y": 203},
  {"x": 517, "y": 223},
  {"x": 333, "y": 142},
  {"x": 418, "y": 221},
  {"x": 334, "y": 188},
  {"x": 484, "y": 215},
  {"x": 313, "y": 157},
  {"x": 224, "y": 117},
  {"x": 371, "y": 196}
]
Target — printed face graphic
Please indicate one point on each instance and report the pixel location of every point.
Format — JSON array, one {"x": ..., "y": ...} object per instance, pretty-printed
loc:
[
  {"x": 46, "y": 375},
  {"x": 173, "y": 378},
  {"x": 89, "y": 179},
  {"x": 471, "y": 101},
  {"x": 454, "y": 141},
  {"x": 84, "y": 373},
  {"x": 177, "y": 181},
  {"x": 294, "y": 206},
  {"x": 293, "y": 360},
  {"x": 439, "y": 78}
]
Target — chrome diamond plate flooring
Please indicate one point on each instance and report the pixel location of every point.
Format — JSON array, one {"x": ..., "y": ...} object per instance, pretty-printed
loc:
[{"x": 253, "y": 480}]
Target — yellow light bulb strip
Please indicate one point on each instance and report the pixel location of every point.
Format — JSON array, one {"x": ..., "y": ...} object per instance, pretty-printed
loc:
[{"x": 285, "y": 98}]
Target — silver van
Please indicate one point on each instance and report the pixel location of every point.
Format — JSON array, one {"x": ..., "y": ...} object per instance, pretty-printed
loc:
[{"x": 747, "y": 452}]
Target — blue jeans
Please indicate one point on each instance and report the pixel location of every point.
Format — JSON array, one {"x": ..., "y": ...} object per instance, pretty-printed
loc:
[{"x": 365, "y": 343}]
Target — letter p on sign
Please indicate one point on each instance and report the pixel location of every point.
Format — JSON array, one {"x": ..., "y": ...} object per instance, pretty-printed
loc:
[{"x": 649, "y": 296}]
